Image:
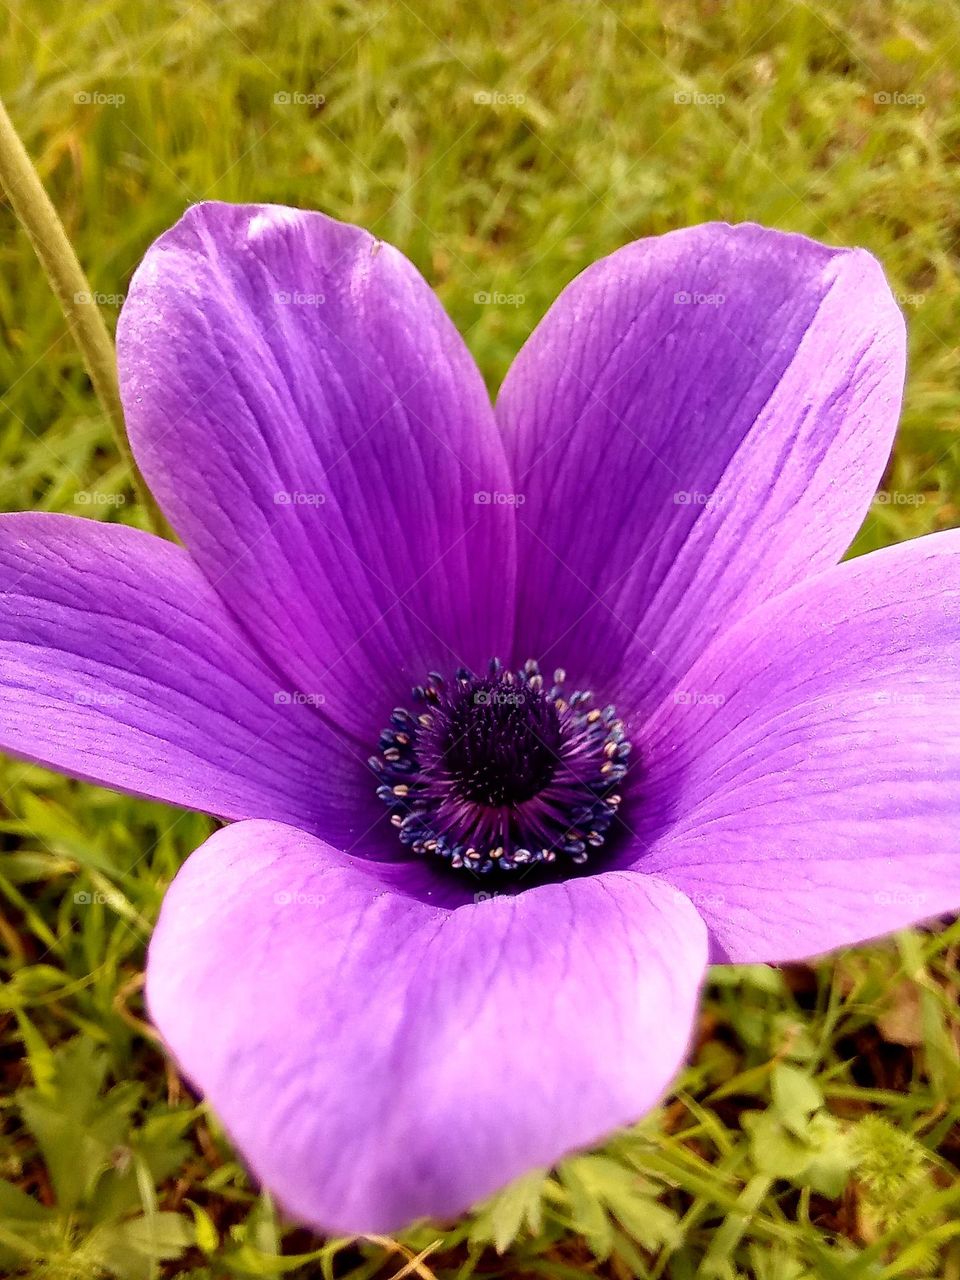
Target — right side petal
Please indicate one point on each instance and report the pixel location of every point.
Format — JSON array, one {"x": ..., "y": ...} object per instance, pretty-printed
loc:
[{"x": 120, "y": 666}]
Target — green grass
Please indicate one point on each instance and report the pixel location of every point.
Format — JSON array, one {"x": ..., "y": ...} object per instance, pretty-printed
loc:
[{"x": 815, "y": 1134}]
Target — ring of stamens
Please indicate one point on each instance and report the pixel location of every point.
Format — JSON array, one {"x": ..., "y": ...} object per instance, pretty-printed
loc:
[{"x": 502, "y": 771}]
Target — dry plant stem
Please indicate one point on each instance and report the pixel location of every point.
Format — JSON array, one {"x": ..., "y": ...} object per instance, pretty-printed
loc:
[{"x": 36, "y": 214}]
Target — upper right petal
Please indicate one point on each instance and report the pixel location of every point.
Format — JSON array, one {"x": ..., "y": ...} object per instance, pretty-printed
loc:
[{"x": 699, "y": 422}]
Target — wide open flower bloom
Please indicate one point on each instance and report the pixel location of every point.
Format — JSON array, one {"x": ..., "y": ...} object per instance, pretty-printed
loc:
[{"x": 451, "y": 936}]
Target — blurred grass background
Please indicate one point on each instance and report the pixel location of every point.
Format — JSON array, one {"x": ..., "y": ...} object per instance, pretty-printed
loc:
[{"x": 815, "y": 1134}]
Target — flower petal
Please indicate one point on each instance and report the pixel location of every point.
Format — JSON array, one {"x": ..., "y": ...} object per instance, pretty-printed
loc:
[
  {"x": 121, "y": 666},
  {"x": 316, "y": 431},
  {"x": 376, "y": 1058},
  {"x": 803, "y": 788},
  {"x": 699, "y": 422}
]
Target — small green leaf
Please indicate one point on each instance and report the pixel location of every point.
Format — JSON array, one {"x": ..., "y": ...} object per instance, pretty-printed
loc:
[
  {"x": 17, "y": 1206},
  {"x": 521, "y": 1202},
  {"x": 587, "y": 1210},
  {"x": 795, "y": 1097},
  {"x": 130, "y": 1250},
  {"x": 775, "y": 1150},
  {"x": 207, "y": 1236}
]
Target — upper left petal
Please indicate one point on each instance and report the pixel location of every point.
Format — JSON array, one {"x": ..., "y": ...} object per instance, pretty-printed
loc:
[
  {"x": 316, "y": 431},
  {"x": 378, "y": 1058}
]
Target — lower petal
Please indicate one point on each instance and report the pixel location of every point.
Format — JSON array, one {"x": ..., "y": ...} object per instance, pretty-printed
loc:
[{"x": 377, "y": 1058}]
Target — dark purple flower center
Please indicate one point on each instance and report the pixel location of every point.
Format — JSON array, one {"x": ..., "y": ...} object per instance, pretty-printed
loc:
[{"x": 502, "y": 771}]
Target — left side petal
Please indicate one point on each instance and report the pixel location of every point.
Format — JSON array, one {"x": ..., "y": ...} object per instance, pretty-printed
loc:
[
  {"x": 803, "y": 786},
  {"x": 316, "y": 431},
  {"x": 119, "y": 665},
  {"x": 377, "y": 1058},
  {"x": 699, "y": 421}
]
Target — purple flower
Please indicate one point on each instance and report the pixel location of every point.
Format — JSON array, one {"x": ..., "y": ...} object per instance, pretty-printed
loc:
[{"x": 458, "y": 923}]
